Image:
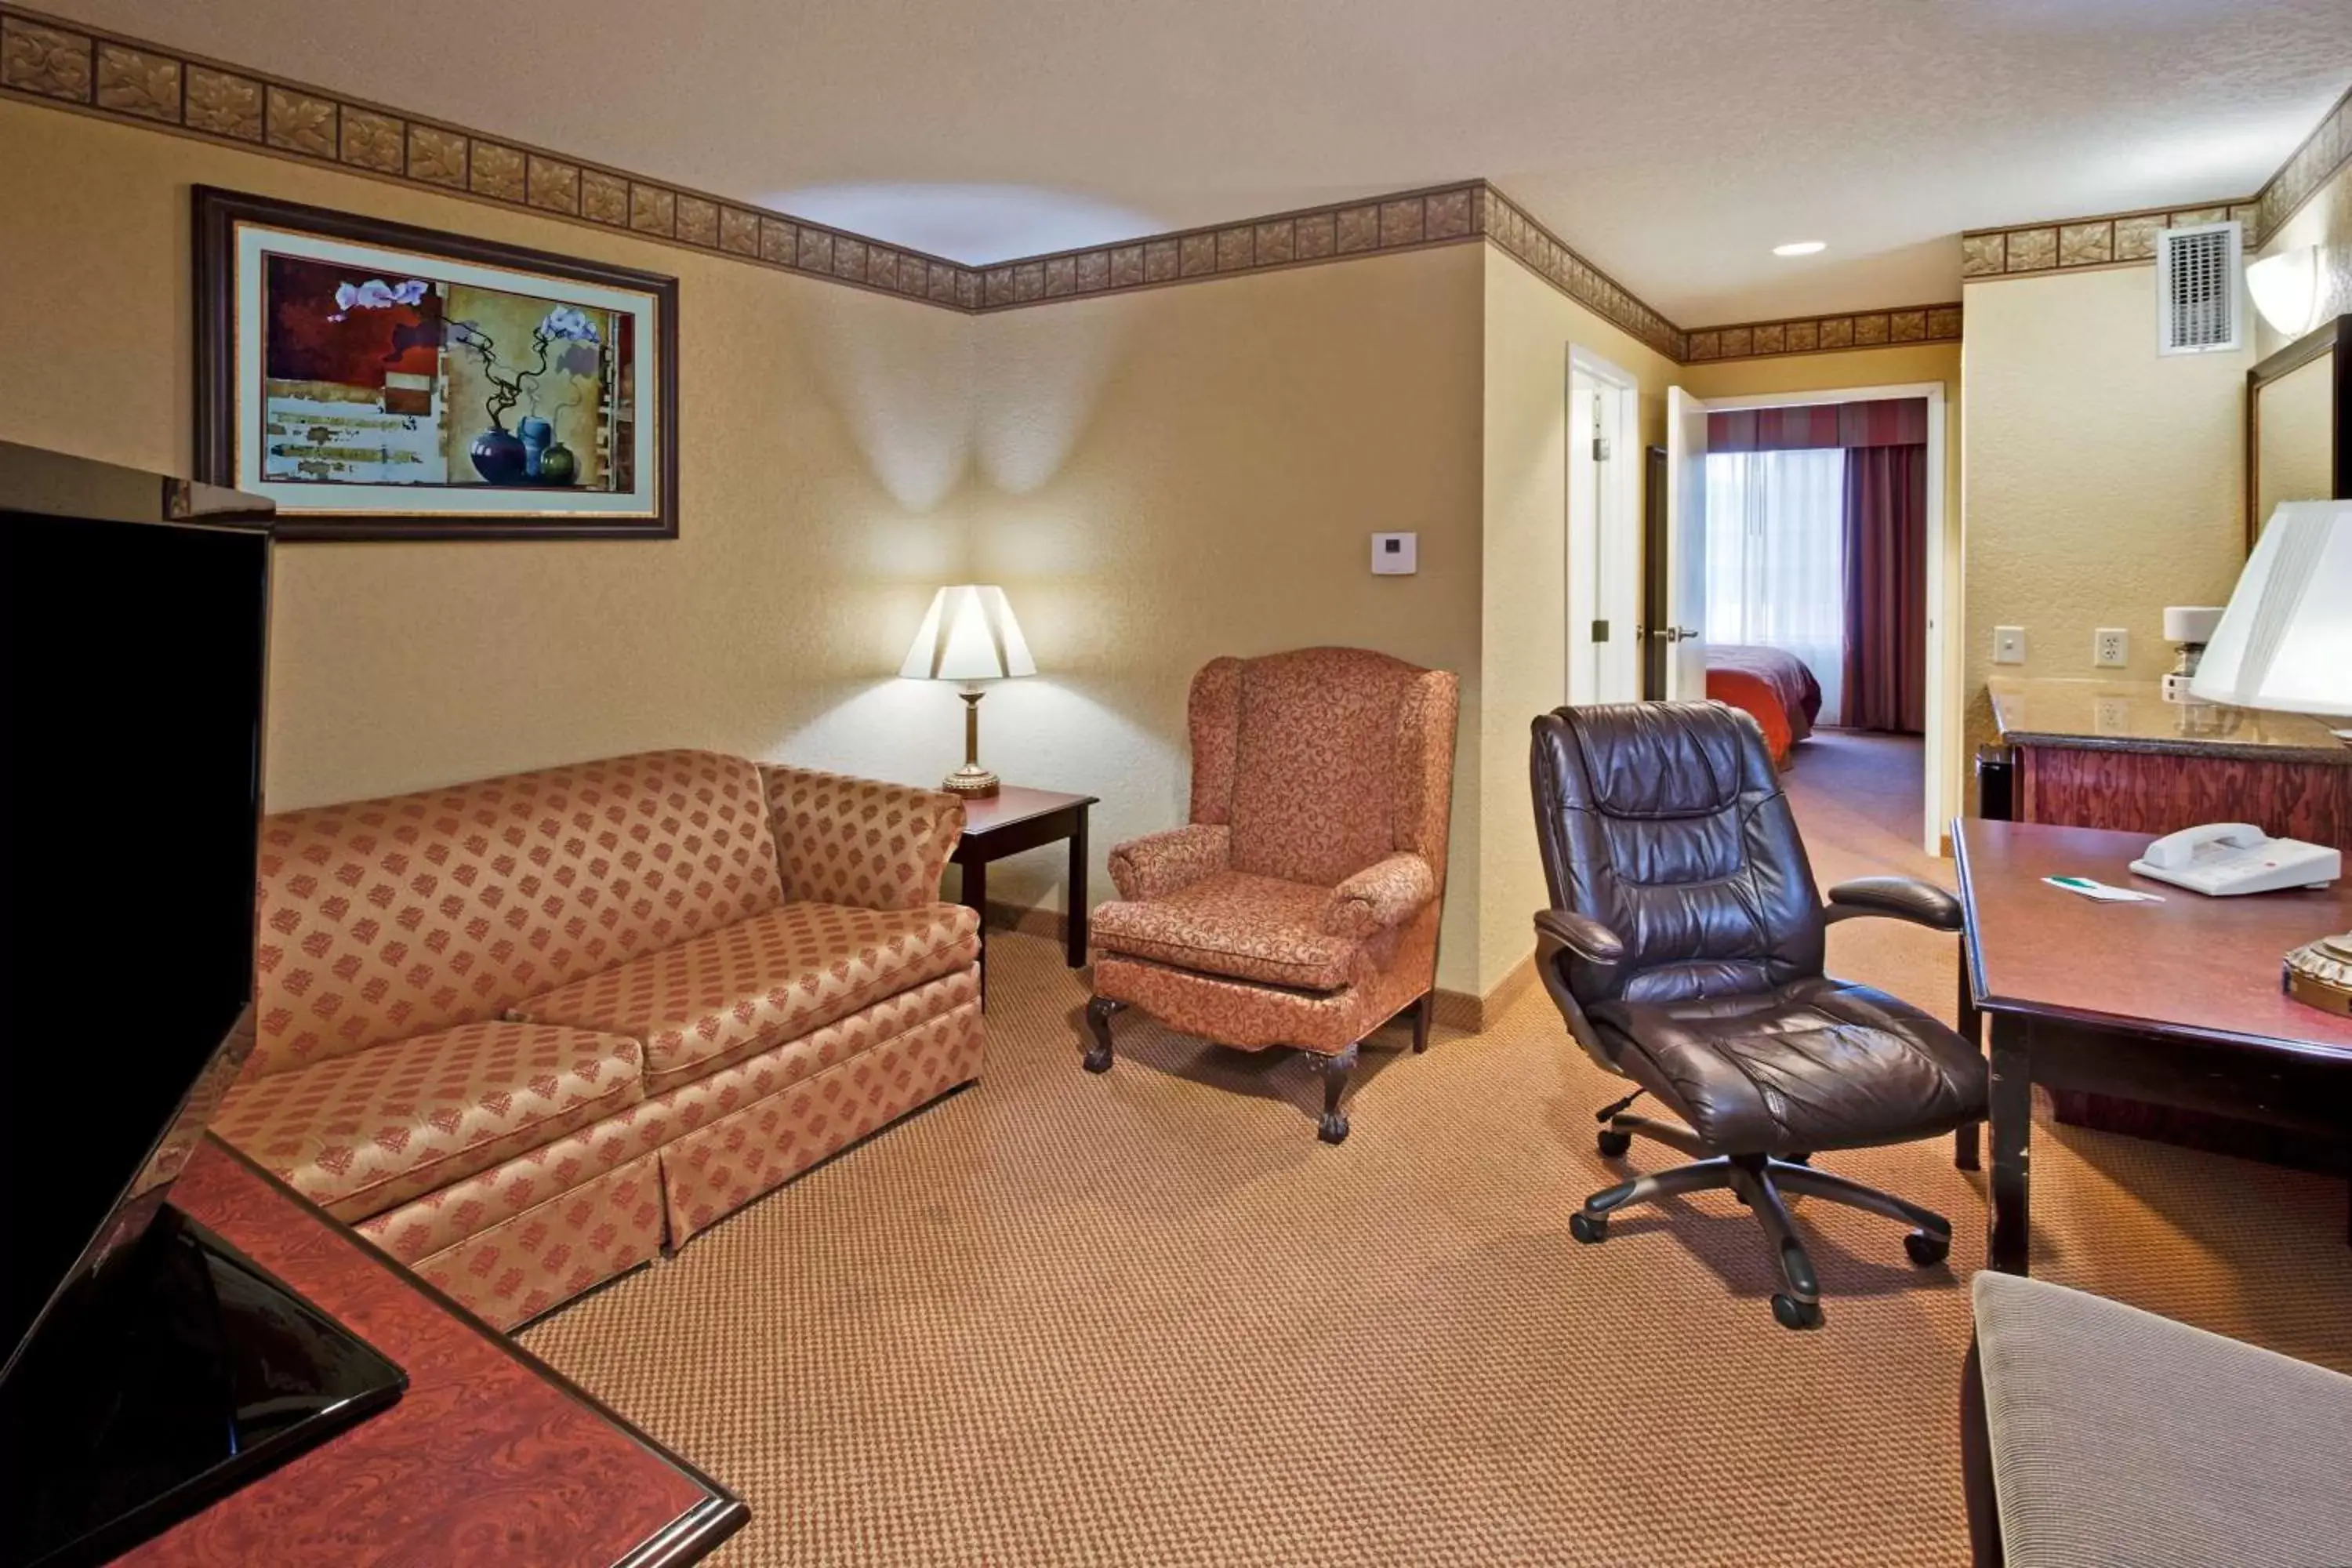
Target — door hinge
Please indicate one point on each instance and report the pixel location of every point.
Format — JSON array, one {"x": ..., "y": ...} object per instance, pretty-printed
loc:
[
  {"x": 1601, "y": 448},
  {"x": 1601, "y": 631}
]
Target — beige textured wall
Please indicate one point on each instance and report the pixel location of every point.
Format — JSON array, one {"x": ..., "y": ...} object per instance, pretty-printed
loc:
[
  {"x": 1165, "y": 476},
  {"x": 1911, "y": 365},
  {"x": 1529, "y": 328},
  {"x": 2103, "y": 480},
  {"x": 809, "y": 545},
  {"x": 1156, "y": 479},
  {"x": 2325, "y": 221}
]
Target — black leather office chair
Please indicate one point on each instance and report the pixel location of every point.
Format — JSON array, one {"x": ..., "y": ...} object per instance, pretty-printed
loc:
[{"x": 1684, "y": 948}]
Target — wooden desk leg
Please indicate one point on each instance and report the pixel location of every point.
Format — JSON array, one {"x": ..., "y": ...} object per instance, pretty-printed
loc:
[
  {"x": 1964, "y": 1142},
  {"x": 975, "y": 898},
  {"x": 2012, "y": 1131},
  {"x": 1073, "y": 924}
]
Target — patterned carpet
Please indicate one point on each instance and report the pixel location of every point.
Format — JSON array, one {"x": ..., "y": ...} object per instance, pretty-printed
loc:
[{"x": 1147, "y": 1319}]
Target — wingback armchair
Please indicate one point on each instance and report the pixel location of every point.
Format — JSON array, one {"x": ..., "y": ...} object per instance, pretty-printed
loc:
[{"x": 1299, "y": 906}]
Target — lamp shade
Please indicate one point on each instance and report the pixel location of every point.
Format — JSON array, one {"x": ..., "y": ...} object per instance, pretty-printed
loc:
[
  {"x": 2286, "y": 288},
  {"x": 969, "y": 634},
  {"x": 2285, "y": 640}
]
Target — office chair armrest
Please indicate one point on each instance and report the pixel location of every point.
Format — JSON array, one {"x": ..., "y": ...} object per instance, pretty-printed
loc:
[
  {"x": 1564, "y": 932},
  {"x": 1381, "y": 897},
  {"x": 1898, "y": 898},
  {"x": 1582, "y": 935}
]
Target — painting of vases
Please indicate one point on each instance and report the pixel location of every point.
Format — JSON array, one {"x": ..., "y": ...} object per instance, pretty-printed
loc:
[{"x": 383, "y": 382}]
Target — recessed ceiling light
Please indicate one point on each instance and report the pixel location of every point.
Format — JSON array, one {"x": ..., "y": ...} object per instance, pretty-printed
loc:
[{"x": 1800, "y": 247}]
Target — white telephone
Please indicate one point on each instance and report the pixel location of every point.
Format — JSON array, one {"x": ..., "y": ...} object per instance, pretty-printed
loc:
[{"x": 2225, "y": 857}]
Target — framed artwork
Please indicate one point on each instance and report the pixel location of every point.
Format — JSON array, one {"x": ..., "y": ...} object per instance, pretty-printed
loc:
[{"x": 383, "y": 382}]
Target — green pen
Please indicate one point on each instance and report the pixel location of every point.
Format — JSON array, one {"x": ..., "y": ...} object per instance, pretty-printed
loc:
[{"x": 2104, "y": 892}]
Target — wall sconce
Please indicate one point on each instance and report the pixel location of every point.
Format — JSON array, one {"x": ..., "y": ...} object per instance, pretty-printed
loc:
[{"x": 2286, "y": 288}]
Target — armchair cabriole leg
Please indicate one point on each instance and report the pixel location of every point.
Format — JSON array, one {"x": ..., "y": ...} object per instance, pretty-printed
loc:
[
  {"x": 1100, "y": 1011},
  {"x": 1333, "y": 1126}
]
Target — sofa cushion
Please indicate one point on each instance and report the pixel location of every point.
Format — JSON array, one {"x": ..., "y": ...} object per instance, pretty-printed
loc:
[
  {"x": 762, "y": 982},
  {"x": 1237, "y": 924},
  {"x": 385, "y": 918},
  {"x": 360, "y": 1134}
]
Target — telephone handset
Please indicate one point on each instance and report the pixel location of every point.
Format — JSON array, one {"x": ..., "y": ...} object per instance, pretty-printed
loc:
[{"x": 2221, "y": 859}]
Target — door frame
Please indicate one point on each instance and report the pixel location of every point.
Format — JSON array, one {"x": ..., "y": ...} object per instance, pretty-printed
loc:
[
  {"x": 1612, "y": 540},
  {"x": 1941, "y": 791}
]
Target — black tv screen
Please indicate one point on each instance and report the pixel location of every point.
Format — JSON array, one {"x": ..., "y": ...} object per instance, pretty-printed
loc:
[{"x": 136, "y": 637}]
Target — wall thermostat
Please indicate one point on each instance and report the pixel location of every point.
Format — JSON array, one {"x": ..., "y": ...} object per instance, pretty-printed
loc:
[{"x": 1392, "y": 554}]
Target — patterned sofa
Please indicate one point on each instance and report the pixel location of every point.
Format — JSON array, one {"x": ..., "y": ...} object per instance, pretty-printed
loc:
[{"x": 527, "y": 1033}]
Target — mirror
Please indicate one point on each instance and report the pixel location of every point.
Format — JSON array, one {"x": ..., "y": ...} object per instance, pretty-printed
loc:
[{"x": 2299, "y": 424}]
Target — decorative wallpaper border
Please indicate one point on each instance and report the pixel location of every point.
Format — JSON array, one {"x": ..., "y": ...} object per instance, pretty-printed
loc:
[
  {"x": 2308, "y": 167},
  {"x": 51, "y": 61},
  {"x": 61, "y": 63},
  {"x": 2118, "y": 239},
  {"x": 1555, "y": 261},
  {"x": 1825, "y": 334}
]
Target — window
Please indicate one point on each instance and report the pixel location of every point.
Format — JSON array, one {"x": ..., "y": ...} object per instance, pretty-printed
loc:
[{"x": 1775, "y": 549}]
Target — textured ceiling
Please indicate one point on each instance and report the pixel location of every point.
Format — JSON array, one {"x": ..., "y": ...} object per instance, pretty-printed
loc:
[{"x": 1672, "y": 142}]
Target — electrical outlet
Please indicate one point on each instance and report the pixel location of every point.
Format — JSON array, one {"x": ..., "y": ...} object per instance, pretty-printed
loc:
[
  {"x": 2008, "y": 645},
  {"x": 2112, "y": 715},
  {"x": 2111, "y": 647}
]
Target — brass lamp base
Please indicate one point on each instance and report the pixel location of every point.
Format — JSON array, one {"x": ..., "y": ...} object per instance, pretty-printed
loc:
[
  {"x": 970, "y": 781},
  {"x": 2320, "y": 974}
]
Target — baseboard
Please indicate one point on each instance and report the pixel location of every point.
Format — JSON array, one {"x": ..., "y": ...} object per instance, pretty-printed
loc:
[
  {"x": 1028, "y": 921},
  {"x": 1515, "y": 983}
]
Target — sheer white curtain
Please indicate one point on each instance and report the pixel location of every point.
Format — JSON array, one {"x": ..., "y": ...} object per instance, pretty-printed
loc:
[{"x": 1775, "y": 558}]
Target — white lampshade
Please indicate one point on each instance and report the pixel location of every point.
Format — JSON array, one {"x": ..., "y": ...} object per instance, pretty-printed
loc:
[
  {"x": 2286, "y": 288},
  {"x": 969, "y": 634},
  {"x": 2286, "y": 641}
]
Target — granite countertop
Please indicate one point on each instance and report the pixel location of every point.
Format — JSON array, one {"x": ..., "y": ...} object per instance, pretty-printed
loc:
[{"x": 2133, "y": 716}]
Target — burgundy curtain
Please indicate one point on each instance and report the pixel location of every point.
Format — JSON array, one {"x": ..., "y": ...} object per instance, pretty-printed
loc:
[{"x": 1887, "y": 588}]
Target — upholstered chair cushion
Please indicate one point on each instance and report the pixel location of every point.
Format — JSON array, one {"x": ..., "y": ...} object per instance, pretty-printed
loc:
[
  {"x": 1236, "y": 924},
  {"x": 361, "y": 1134},
  {"x": 729, "y": 994},
  {"x": 384, "y": 919},
  {"x": 1160, "y": 863}
]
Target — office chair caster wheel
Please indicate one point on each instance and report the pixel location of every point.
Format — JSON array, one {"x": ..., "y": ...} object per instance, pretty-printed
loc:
[
  {"x": 1927, "y": 1250},
  {"x": 1613, "y": 1144},
  {"x": 1587, "y": 1228},
  {"x": 1795, "y": 1314}
]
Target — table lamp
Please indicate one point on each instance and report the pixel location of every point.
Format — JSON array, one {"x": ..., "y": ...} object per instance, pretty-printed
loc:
[
  {"x": 2285, "y": 643},
  {"x": 968, "y": 634}
]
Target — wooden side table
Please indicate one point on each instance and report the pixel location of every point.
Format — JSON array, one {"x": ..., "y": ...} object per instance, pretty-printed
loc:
[
  {"x": 488, "y": 1458},
  {"x": 1013, "y": 820}
]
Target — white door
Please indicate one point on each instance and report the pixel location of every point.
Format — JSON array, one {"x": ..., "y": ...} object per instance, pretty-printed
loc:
[
  {"x": 1605, "y": 532},
  {"x": 1686, "y": 563},
  {"x": 1583, "y": 539}
]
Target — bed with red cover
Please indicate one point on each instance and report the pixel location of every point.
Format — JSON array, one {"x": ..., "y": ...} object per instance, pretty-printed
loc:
[{"x": 1771, "y": 683}]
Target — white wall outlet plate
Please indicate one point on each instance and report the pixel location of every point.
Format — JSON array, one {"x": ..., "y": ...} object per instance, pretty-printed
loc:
[
  {"x": 2008, "y": 645},
  {"x": 1393, "y": 554},
  {"x": 2111, "y": 647}
]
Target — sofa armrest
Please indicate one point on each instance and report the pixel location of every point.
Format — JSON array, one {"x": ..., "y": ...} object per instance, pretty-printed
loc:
[
  {"x": 1381, "y": 897},
  {"x": 844, "y": 840},
  {"x": 1159, "y": 863},
  {"x": 1897, "y": 898}
]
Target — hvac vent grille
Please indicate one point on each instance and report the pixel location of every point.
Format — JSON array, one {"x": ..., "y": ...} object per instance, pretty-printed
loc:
[{"x": 2196, "y": 289}]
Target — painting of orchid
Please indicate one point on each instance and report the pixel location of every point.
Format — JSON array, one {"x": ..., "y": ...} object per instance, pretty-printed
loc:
[{"x": 393, "y": 381}]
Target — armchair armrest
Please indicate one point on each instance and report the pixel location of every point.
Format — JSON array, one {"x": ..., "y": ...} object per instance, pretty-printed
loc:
[
  {"x": 844, "y": 840},
  {"x": 1381, "y": 897},
  {"x": 1159, "y": 863},
  {"x": 1898, "y": 898}
]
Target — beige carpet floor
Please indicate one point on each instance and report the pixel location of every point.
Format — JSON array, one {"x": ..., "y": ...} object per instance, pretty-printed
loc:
[{"x": 1147, "y": 1318}]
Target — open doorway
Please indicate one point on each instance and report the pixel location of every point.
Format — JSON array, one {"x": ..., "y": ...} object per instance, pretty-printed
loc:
[{"x": 1823, "y": 540}]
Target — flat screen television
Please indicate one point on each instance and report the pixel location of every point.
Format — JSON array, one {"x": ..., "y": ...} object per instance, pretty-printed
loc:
[{"x": 145, "y": 1366}]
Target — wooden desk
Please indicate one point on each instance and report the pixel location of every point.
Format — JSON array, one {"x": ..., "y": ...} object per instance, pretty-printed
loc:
[
  {"x": 1008, "y": 822},
  {"x": 488, "y": 1458},
  {"x": 2177, "y": 1003}
]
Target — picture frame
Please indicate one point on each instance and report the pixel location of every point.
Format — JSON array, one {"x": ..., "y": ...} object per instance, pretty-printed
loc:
[{"x": 382, "y": 381}]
